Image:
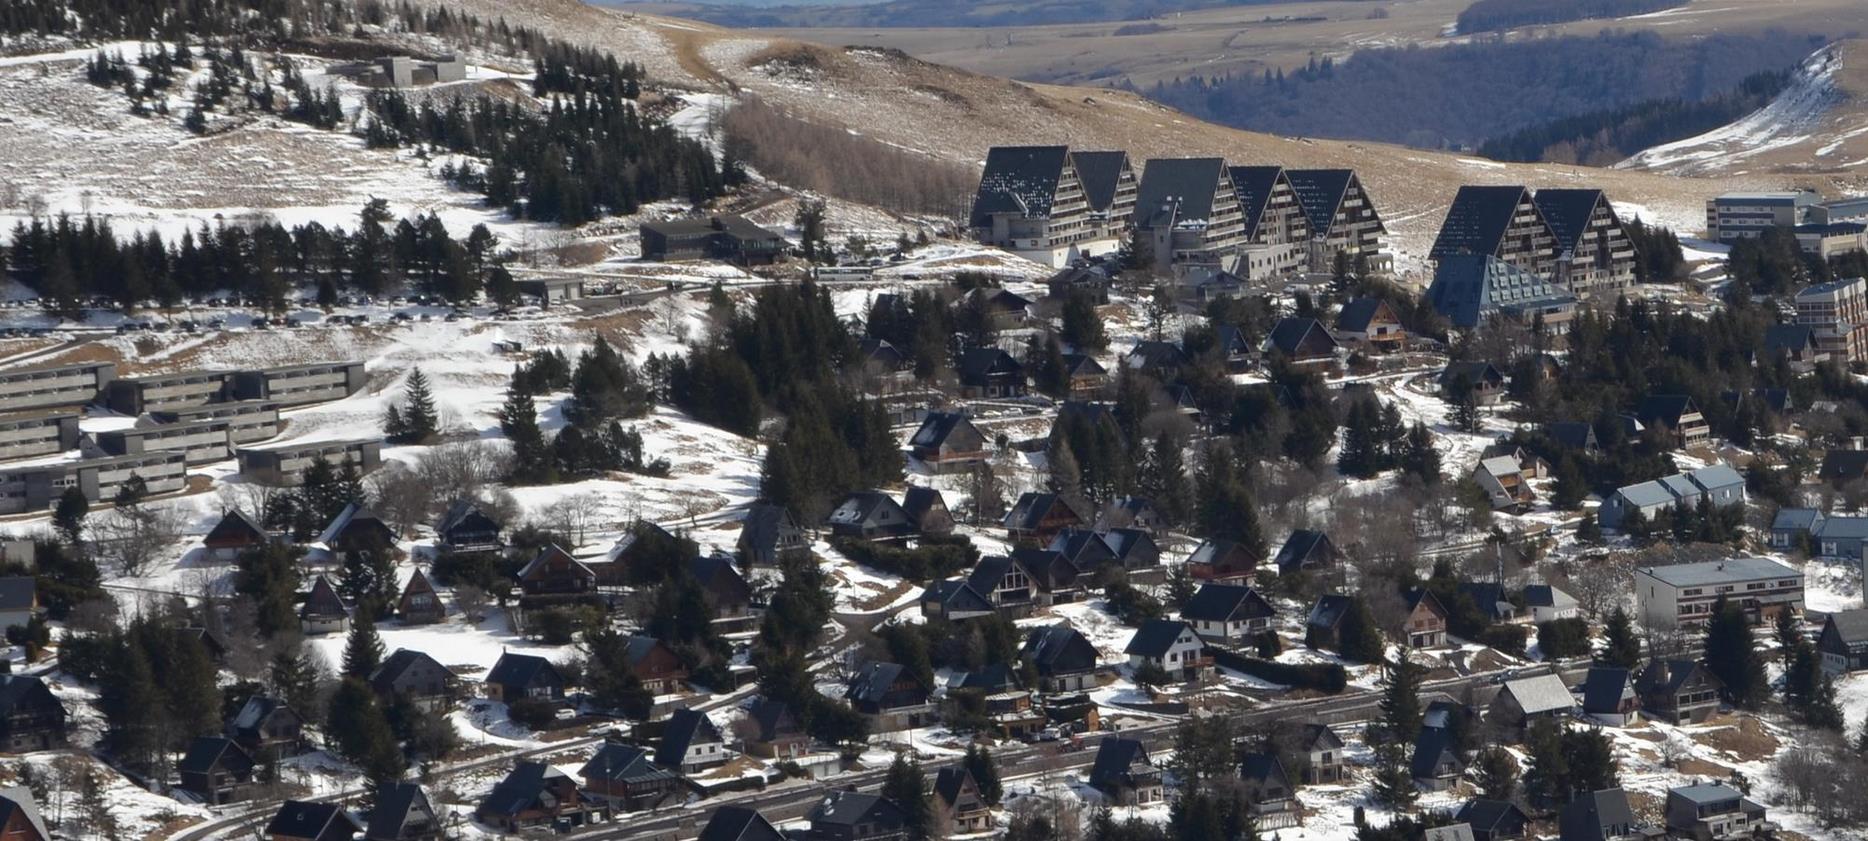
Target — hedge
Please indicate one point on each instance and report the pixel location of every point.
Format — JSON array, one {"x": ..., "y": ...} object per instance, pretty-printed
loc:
[
  {"x": 934, "y": 557},
  {"x": 1328, "y": 678}
]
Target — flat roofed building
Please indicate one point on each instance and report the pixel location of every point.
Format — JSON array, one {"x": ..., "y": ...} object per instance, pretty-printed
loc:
[
  {"x": 39, "y": 433},
  {"x": 551, "y": 291},
  {"x": 136, "y": 395},
  {"x": 58, "y": 385},
  {"x": 38, "y": 487},
  {"x": 247, "y": 420},
  {"x": 200, "y": 442},
  {"x": 1736, "y": 216},
  {"x": 299, "y": 385},
  {"x": 1837, "y": 314},
  {"x": 1669, "y": 597},
  {"x": 725, "y": 237},
  {"x": 286, "y": 465}
]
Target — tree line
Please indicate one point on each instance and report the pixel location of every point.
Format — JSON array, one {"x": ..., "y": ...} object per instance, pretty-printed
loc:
[
  {"x": 1601, "y": 138},
  {"x": 1498, "y": 15}
]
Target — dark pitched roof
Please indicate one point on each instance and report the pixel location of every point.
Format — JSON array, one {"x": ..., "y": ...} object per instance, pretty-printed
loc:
[
  {"x": 323, "y": 600},
  {"x": 1050, "y": 571},
  {"x": 1488, "y": 815},
  {"x": 950, "y": 782},
  {"x": 1254, "y": 186},
  {"x": 1031, "y": 509},
  {"x": 1666, "y": 408},
  {"x": 399, "y": 661},
  {"x": 624, "y": 763},
  {"x": 207, "y": 752},
  {"x": 990, "y": 678},
  {"x": 1468, "y": 287},
  {"x": 859, "y": 506},
  {"x": 301, "y": 819},
  {"x": 1018, "y": 179},
  {"x": 1101, "y": 175},
  {"x": 958, "y": 594},
  {"x": 936, "y": 427},
  {"x": 1430, "y": 747},
  {"x": 1188, "y": 183},
  {"x": 874, "y": 683},
  {"x": 980, "y": 362},
  {"x": 1320, "y": 192},
  {"x": 1226, "y": 602},
  {"x": 1321, "y": 735},
  {"x": 847, "y": 808},
  {"x": 520, "y": 789},
  {"x": 460, "y": 511},
  {"x": 1845, "y": 464},
  {"x": 1289, "y": 334},
  {"x": 255, "y": 712},
  {"x": 683, "y": 729},
  {"x": 1476, "y": 373},
  {"x": 1356, "y": 315},
  {"x": 235, "y": 524},
  {"x": 1604, "y": 688},
  {"x": 1477, "y": 221},
  {"x": 774, "y": 718},
  {"x": 1299, "y": 547},
  {"x": 1328, "y": 610},
  {"x": 762, "y": 524},
  {"x": 1262, "y": 766},
  {"x": 18, "y": 592},
  {"x": 1851, "y": 625},
  {"x": 1669, "y": 675},
  {"x": 518, "y": 669},
  {"x": 1584, "y": 818},
  {"x": 1156, "y": 355},
  {"x": 1114, "y": 757},
  {"x": 1049, "y": 644},
  {"x": 738, "y": 823},
  {"x": 919, "y": 501},
  {"x": 1567, "y": 212},
  {"x": 1156, "y": 636},
  {"x": 1573, "y": 434},
  {"x": 394, "y": 802}
]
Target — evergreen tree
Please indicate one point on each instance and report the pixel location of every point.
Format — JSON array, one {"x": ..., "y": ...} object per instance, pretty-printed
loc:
[
  {"x": 1460, "y": 393},
  {"x": 1359, "y": 638},
  {"x": 68, "y": 516},
  {"x": 363, "y": 649},
  {"x": 1789, "y": 634},
  {"x": 1400, "y": 704},
  {"x": 1732, "y": 656},
  {"x": 1358, "y": 456},
  {"x": 360, "y": 732},
  {"x": 906, "y": 786},
  {"x": 418, "y": 415},
  {"x": 518, "y": 419},
  {"x": 1393, "y": 784},
  {"x": 985, "y": 773},
  {"x": 1622, "y": 647},
  {"x": 1497, "y": 773},
  {"x": 1548, "y": 778},
  {"x": 1419, "y": 457}
]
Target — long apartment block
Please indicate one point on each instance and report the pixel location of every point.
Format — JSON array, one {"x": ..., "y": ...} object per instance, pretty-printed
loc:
[
  {"x": 41, "y": 433},
  {"x": 286, "y": 465},
  {"x": 25, "y": 389},
  {"x": 248, "y": 421},
  {"x": 38, "y": 487},
  {"x": 299, "y": 385},
  {"x": 136, "y": 395},
  {"x": 199, "y": 442}
]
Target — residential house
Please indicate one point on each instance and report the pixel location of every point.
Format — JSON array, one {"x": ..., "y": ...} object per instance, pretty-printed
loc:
[
  {"x": 622, "y": 776},
  {"x": 1342, "y": 220},
  {"x": 1469, "y": 290},
  {"x": 1003, "y": 698},
  {"x": 1491, "y": 600},
  {"x": 402, "y": 812},
  {"x": 1323, "y": 624},
  {"x": 1370, "y": 324},
  {"x": 19, "y": 601},
  {"x": 355, "y": 530},
  {"x": 1843, "y": 466},
  {"x": 517, "y": 677},
  {"x": 1135, "y": 550},
  {"x": 1436, "y": 763},
  {"x": 690, "y": 743},
  {"x": 1668, "y": 597},
  {"x": 1493, "y": 820},
  {"x": 1525, "y": 700},
  {"x": 725, "y": 237},
  {"x": 1677, "y": 416},
  {"x": 1054, "y": 579},
  {"x": 553, "y": 572},
  {"x": 1547, "y": 603},
  {"x": 533, "y": 794},
  {"x": 1136, "y": 512},
  {"x": 1712, "y": 812},
  {"x": 1307, "y": 551},
  {"x": 1187, "y": 211},
  {"x": 1223, "y": 560},
  {"x": 1036, "y": 518},
  {"x": 215, "y": 770},
  {"x": 1087, "y": 377},
  {"x": 1485, "y": 382},
  {"x": 1791, "y": 526},
  {"x": 927, "y": 511},
  {"x": 19, "y": 816},
  {"x": 958, "y": 795},
  {"x": 776, "y": 732},
  {"x": 891, "y": 697},
  {"x": 419, "y": 604},
  {"x": 1502, "y": 478},
  {"x": 1425, "y": 623},
  {"x": 1124, "y": 774},
  {"x": 643, "y": 553},
  {"x": 1602, "y": 816},
  {"x": 727, "y": 591},
  {"x": 1172, "y": 646},
  {"x": 870, "y": 515},
  {"x": 414, "y": 675},
  {"x": 1228, "y": 612},
  {"x": 1091, "y": 279},
  {"x": 1302, "y": 341},
  {"x": 267, "y": 726},
  {"x": 1595, "y": 258},
  {"x": 1609, "y": 696},
  {"x": 1323, "y": 751},
  {"x": 737, "y": 823},
  {"x": 956, "y": 599},
  {"x": 1574, "y": 435},
  {"x": 1063, "y": 657},
  {"x": 324, "y": 611},
  {"x": 1500, "y": 222},
  {"x": 654, "y": 664},
  {"x": 1796, "y": 344},
  {"x": 234, "y": 534},
  {"x": 1678, "y": 691},
  {"x": 1719, "y": 484},
  {"x": 948, "y": 442},
  {"x": 1161, "y": 359},
  {"x": 465, "y": 527},
  {"x": 1270, "y": 790},
  {"x": 855, "y": 816},
  {"x": 299, "y": 820},
  {"x": 991, "y": 372},
  {"x": 1449, "y": 832},
  {"x": 1843, "y": 642},
  {"x": 1084, "y": 548},
  {"x": 769, "y": 535}
]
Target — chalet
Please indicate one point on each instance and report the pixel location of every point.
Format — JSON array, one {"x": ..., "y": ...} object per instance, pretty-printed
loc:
[
  {"x": 1371, "y": 324},
  {"x": 324, "y": 611},
  {"x": 1469, "y": 290},
  {"x": 299, "y": 820},
  {"x": 891, "y": 697},
  {"x": 1483, "y": 381},
  {"x": 1005, "y": 306},
  {"x": 1323, "y": 754},
  {"x": 737, "y": 823},
  {"x": 1277, "y": 233},
  {"x": 959, "y": 796},
  {"x": 1090, "y": 279},
  {"x": 1123, "y": 772},
  {"x": 355, "y": 530},
  {"x": 1228, "y": 612},
  {"x": 215, "y": 770},
  {"x": 1449, "y": 832},
  {"x": 1678, "y": 691},
  {"x": 1341, "y": 220},
  {"x": 1085, "y": 549},
  {"x": 1790, "y": 527},
  {"x": 1677, "y": 416},
  {"x": 1493, "y": 820},
  {"x": 879, "y": 358},
  {"x": 769, "y": 535},
  {"x": 948, "y": 442},
  {"x": 655, "y": 664},
  {"x": 1188, "y": 213},
  {"x": 1574, "y": 435},
  {"x": 1436, "y": 763},
  {"x": 19, "y": 816},
  {"x": 727, "y": 591},
  {"x": 1843, "y": 642},
  {"x": 419, "y": 604},
  {"x": 1425, "y": 624},
  {"x": 1323, "y": 625},
  {"x": 1595, "y": 258},
  {"x": 1546, "y": 603},
  {"x": 465, "y": 527},
  {"x": 1161, "y": 359},
  {"x": 1135, "y": 550},
  {"x": 1223, "y": 560},
  {"x": 533, "y": 794},
  {"x": 1719, "y": 484},
  {"x": 641, "y": 554},
  {"x": 855, "y": 816},
  {"x": 1005, "y": 701},
  {"x": 1302, "y": 341},
  {"x": 690, "y": 743},
  {"x": 1602, "y": 816},
  {"x": 1714, "y": 811},
  {"x": 1064, "y": 659},
  {"x": 871, "y": 515},
  {"x": 401, "y": 811},
  {"x": 1503, "y": 480},
  {"x": 234, "y": 534},
  {"x": 1137, "y": 512},
  {"x": 991, "y": 372},
  {"x": 927, "y": 510},
  {"x": 516, "y": 677},
  {"x": 1501, "y": 222},
  {"x": 725, "y": 237},
  {"x": 266, "y": 726},
  {"x": 775, "y": 732},
  {"x": 1054, "y": 579},
  {"x": 1609, "y": 696},
  {"x": 956, "y": 599},
  {"x": 1796, "y": 344},
  {"x": 19, "y": 601},
  {"x": 1038, "y": 517},
  {"x": 1685, "y": 594},
  {"x": 1087, "y": 377},
  {"x": 1525, "y": 700},
  {"x": 1491, "y": 600},
  {"x": 553, "y": 572},
  {"x": 1307, "y": 551},
  {"x": 622, "y": 776},
  {"x": 1270, "y": 790},
  {"x": 1051, "y": 205},
  {"x": 1171, "y": 646},
  {"x": 414, "y": 675}
]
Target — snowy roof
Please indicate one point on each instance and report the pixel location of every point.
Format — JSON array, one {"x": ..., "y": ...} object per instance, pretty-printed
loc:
[
  {"x": 1189, "y": 183},
  {"x": 1543, "y": 693},
  {"x": 1018, "y": 179},
  {"x": 1720, "y": 572}
]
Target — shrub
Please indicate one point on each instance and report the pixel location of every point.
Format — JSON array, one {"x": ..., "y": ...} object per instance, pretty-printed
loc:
[
  {"x": 533, "y": 713},
  {"x": 1561, "y": 639},
  {"x": 1506, "y": 638},
  {"x": 934, "y": 557}
]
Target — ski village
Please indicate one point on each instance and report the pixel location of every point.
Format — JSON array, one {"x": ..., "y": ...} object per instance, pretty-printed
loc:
[{"x": 612, "y": 488}]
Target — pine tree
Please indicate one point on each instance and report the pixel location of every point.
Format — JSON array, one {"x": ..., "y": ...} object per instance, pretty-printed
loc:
[
  {"x": 1460, "y": 393},
  {"x": 1497, "y": 773},
  {"x": 1548, "y": 778},
  {"x": 1732, "y": 655},
  {"x": 1622, "y": 647},
  {"x": 1393, "y": 784},
  {"x": 419, "y": 412},
  {"x": 1400, "y": 704},
  {"x": 363, "y": 650},
  {"x": 906, "y": 786},
  {"x": 68, "y": 516},
  {"x": 1419, "y": 457},
  {"x": 985, "y": 774},
  {"x": 1789, "y": 635},
  {"x": 360, "y": 731},
  {"x": 1357, "y": 456},
  {"x": 1165, "y": 479},
  {"x": 1359, "y": 638}
]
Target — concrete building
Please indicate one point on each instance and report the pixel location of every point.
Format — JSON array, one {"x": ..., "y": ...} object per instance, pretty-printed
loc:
[
  {"x": 552, "y": 291},
  {"x": 247, "y": 420},
  {"x": 299, "y": 385},
  {"x": 1501, "y": 222},
  {"x": 1341, "y": 219},
  {"x": 38, "y": 487},
  {"x": 1189, "y": 213},
  {"x": 1595, "y": 258},
  {"x": 1053, "y": 206},
  {"x": 725, "y": 237},
  {"x": 136, "y": 395},
  {"x": 1833, "y": 239},
  {"x": 39, "y": 433},
  {"x": 61, "y": 385},
  {"x": 1736, "y": 216},
  {"x": 1837, "y": 312},
  {"x": 200, "y": 442},
  {"x": 287, "y": 465},
  {"x": 1669, "y": 597},
  {"x": 402, "y": 71},
  {"x": 1277, "y": 231}
]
